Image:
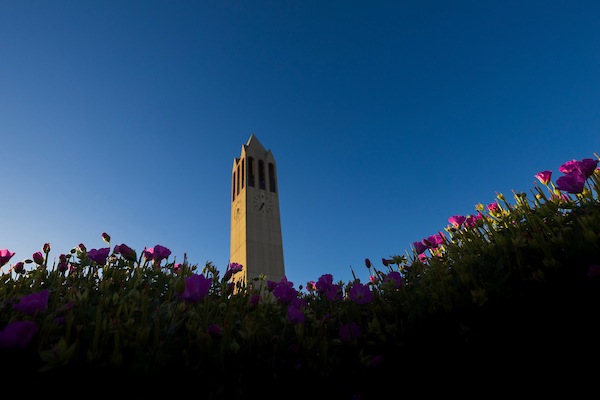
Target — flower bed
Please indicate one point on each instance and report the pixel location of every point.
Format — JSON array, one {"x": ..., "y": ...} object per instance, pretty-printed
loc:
[{"x": 511, "y": 282}]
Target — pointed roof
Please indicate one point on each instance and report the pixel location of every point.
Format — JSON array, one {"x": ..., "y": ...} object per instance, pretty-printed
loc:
[{"x": 255, "y": 144}]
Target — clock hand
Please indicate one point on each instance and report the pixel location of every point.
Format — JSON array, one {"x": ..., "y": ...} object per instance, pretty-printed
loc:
[{"x": 261, "y": 206}]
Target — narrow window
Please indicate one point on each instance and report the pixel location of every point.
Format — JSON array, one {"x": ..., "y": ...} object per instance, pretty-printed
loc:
[
  {"x": 238, "y": 179},
  {"x": 261, "y": 174},
  {"x": 233, "y": 187},
  {"x": 272, "y": 177},
  {"x": 243, "y": 173},
  {"x": 250, "y": 171}
]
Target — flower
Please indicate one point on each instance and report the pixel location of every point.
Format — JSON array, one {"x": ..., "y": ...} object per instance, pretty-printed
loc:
[
  {"x": 457, "y": 220},
  {"x": 62, "y": 266},
  {"x": 572, "y": 182},
  {"x": 349, "y": 331},
  {"x": 38, "y": 258},
  {"x": 310, "y": 286},
  {"x": 271, "y": 285},
  {"x": 294, "y": 315},
  {"x": 234, "y": 268},
  {"x": 255, "y": 300},
  {"x": 33, "y": 303},
  {"x": 493, "y": 207},
  {"x": 360, "y": 293},
  {"x": 17, "y": 334},
  {"x": 214, "y": 330},
  {"x": 106, "y": 237},
  {"x": 544, "y": 176},
  {"x": 569, "y": 167},
  {"x": 394, "y": 279},
  {"x": 46, "y": 248},
  {"x": 126, "y": 252},
  {"x": 196, "y": 288},
  {"x": 157, "y": 253},
  {"x": 19, "y": 267},
  {"x": 5, "y": 256},
  {"x": 594, "y": 270},
  {"x": 419, "y": 247},
  {"x": 587, "y": 166},
  {"x": 285, "y": 291},
  {"x": 434, "y": 241},
  {"x": 334, "y": 293},
  {"x": 99, "y": 255},
  {"x": 324, "y": 282}
]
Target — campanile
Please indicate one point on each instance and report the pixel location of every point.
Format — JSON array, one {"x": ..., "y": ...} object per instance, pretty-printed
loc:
[{"x": 255, "y": 222}]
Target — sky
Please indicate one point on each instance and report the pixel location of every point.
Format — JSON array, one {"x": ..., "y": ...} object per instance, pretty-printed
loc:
[{"x": 385, "y": 119}]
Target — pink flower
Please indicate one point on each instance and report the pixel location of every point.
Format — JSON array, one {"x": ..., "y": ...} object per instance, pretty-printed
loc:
[
  {"x": 196, "y": 288},
  {"x": 234, "y": 268},
  {"x": 126, "y": 252},
  {"x": 295, "y": 316},
  {"x": 569, "y": 167},
  {"x": 573, "y": 182},
  {"x": 99, "y": 255},
  {"x": 544, "y": 176},
  {"x": 5, "y": 256},
  {"x": 457, "y": 221},
  {"x": 493, "y": 207},
  {"x": 349, "y": 331},
  {"x": 310, "y": 286},
  {"x": 33, "y": 303},
  {"x": 17, "y": 334},
  {"x": 360, "y": 293}
]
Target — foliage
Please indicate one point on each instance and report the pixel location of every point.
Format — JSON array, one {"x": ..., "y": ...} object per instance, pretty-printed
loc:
[{"x": 118, "y": 314}]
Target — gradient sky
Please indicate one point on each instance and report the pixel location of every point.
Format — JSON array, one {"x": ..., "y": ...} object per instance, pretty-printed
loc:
[{"x": 385, "y": 118}]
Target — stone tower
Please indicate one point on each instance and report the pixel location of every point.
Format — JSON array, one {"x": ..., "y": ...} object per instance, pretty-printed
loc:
[{"x": 255, "y": 222}]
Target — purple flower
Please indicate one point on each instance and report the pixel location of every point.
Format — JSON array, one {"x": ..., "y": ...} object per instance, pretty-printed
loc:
[
  {"x": 573, "y": 182},
  {"x": 271, "y": 285},
  {"x": 196, "y": 288},
  {"x": 594, "y": 270},
  {"x": 99, "y": 255},
  {"x": 126, "y": 252},
  {"x": 324, "y": 282},
  {"x": 234, "y": 268},
  {"x": 587, "y": 166},
  {"x": 33, "y": 303},
  {"x": 349, "y": 332},
  {"x": 19, "y": 267},
  {"x": 434, "y": 241},
  {"x": 255, "y": 300},
  {"x": 419, "y": 247},
  {"x": 456, "y": 221},
  {"x": 295, "y": 315},
  {"x": 17, "y": 334},
  {"x": 157, "y": 253},
  {"x": 214, "y": 330},
  {"x": 38, "y": 258},
  {"x": 334, "y": 292},
  {"x": 394, "y": 279},
  {"x": 62, "y": 266},
  {"x": 360, "y": 293},
  {"x": 285, "y": 291},
  {"x": 106, "y": 237},
  {"x": 5, "y": 256},
  {"x": 569, "y": 167},
  {"x": 544, "y": 176}
]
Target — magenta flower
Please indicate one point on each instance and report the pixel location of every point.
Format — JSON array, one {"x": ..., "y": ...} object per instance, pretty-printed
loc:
[
  {"x": 99, "y": 255},
  {"x": 573, "y": 182},
  {"x": 434, "y": 241},
  {"x": 214, "y": 330},
  {"x": 349, "y": 331},
  {"x": 38, "y": 258},
  {"x": 19, "y": 267},
  {"x": 360, "y": 293},
  {"x": 493, "y": 207},
  {"x": 310, "y": 286},
  {"x": 587, "y": 166},
  {"x": 295, "y": 315},
  {"x": 17, "y": 334},
  {"x": 544, "y": 176},
  {"x": 569, "y": 167},
  {"x": 457, "y": 220},
  {"x": 106, "y": 237},
  {"x": 33, "y": 303},
  {"x": 126, "y": 252},
  {"x": 5, "y": 256},
  {"x": 285, "y": 291},
  {"x": 196, "y": 288}
]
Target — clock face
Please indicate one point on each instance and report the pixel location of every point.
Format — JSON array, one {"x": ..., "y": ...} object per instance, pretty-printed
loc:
[{"x": 262, "y": 204}]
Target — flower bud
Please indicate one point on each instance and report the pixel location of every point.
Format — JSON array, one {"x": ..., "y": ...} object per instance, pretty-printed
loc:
[
  {"x": 106, "y": 237},
  {"x": 46, "y": 248}
]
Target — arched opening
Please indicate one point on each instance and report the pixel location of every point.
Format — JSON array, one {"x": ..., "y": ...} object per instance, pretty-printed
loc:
[
  {"x": 261, "y": 174},
  {"x": 250, "y": 171},
  {"x": 272, "y": 185}
]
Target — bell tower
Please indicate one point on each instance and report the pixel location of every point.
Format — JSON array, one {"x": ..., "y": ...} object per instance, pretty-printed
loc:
[{"x": 255, "y": 222}]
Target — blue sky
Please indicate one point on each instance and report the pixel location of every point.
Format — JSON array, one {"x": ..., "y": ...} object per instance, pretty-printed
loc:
[{"x": 385, "y": 118}]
